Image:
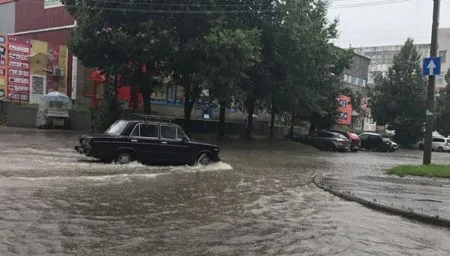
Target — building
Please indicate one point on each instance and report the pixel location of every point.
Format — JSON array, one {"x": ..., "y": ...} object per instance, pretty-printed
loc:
[
  {"x": 382, "y": 57},
  {"x": 356, "y": 76},
  {"x": 444, "y": 50},
  {"x": 44, "y": 20},
  {"x": 48, "y": 25}
]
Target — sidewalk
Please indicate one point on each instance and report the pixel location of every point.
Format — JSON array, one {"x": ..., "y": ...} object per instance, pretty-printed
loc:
[{"x": 426, "y": 198}]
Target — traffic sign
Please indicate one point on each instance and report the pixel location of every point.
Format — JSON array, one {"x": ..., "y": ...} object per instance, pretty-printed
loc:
[{"x": 431, "y": 66}]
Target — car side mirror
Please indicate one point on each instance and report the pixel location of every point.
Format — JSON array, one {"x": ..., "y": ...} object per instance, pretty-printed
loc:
[{"x": 184, "y": 139}]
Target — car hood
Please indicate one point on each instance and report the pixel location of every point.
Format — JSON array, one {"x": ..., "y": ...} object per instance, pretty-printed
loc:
[
  {"x": 203, "y": 144},
  {"x": 97, "y": 136}
]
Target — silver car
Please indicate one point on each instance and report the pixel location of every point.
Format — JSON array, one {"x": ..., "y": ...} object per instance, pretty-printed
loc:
[{"x": 439, "y": 144}]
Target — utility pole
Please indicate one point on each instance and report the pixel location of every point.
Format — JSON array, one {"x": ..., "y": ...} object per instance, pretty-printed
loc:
[{"x": 431, "y": 87}]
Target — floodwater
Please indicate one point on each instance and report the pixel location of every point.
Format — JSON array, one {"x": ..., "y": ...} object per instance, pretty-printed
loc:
[{"x": 258, "y": 201}]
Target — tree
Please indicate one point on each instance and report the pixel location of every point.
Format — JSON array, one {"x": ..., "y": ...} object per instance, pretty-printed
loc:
[
  {"x": 125, "y": 44},
  {"x": 442, "y": 122},
  {"x": 228, "y": 53},
  {"x": 311, "y": 62},
  {"x": 399, "y": 98}
]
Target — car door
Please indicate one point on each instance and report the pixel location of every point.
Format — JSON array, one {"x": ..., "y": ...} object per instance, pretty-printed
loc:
[
  {"x": 364, "y": 140},
  {"x": 323, "y": 139},
  {"x": 374, "y": 142},
  {"x": 437, "y": 143},
  {"x": 314, "y": 139},
  {"x": 146, "y": 143},
  {"x": 172, "y": 148}
]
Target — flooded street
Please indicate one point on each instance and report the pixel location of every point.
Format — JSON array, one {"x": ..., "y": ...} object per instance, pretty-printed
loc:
[{"x": 258, "y": 201}]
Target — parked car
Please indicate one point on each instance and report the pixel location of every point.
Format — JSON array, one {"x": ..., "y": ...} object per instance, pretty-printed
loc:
[
  {"x": 327, "y": 140},
  {"x": 376, "y": 142},
  {"x": 149, "y": 142},
  {"x": 440, "y": 144},
  {"x": 355, "y": 142}
]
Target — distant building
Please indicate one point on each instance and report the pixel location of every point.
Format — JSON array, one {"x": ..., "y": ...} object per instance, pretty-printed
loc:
[
  {"x": 382, "y": 57},
  {"x": 444, "y": 51},
  {"x": 356, "y": 76}
]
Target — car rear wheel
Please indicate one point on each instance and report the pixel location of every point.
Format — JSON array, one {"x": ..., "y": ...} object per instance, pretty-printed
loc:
[
  {"x": 204, "y": 159},
  {"x": 124, "y": 157}
]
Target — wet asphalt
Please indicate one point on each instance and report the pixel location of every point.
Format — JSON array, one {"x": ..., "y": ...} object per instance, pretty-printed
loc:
[{"x": 258, "y": 201}]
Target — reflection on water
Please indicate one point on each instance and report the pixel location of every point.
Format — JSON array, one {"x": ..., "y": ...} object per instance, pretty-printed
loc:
[{"x": 257, "y": 202}]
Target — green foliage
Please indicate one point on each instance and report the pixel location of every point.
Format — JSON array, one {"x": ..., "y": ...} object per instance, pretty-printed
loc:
[
  {"x": 312, "y": 64},
  {"x": 442, "y": 122},
  {"x": 399, "y": 98},
  {"x": 228, "y": 53},
  {"x": 271, "y": 54},
  {"x": 110, "y": 110},
  {"x": 433, "y": 170}
]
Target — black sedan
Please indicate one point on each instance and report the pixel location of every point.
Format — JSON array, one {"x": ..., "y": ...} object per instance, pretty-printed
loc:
[{"x": 149, "y": 142}]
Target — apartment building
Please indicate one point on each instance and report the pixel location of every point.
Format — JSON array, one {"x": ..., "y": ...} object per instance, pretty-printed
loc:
[{"x": 382, "y": 57}]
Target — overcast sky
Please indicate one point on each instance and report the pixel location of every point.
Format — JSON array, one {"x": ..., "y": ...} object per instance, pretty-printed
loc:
[{"x": 385, "y": 24}]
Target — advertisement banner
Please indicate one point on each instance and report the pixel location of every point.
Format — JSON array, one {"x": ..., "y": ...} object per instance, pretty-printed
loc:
[
  {"x": 63, "y": 63},
  {"x": 52, "y": 62},
  {"x": 18, "y": 69},
  {"x": 344, "y": 110},
  {"x": 3, "y": 66}
]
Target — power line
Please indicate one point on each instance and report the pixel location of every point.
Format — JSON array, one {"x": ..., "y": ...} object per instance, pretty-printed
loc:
[
  {"x": 151, "y": 7},
  {"x": 373, "y": 3},
  {"x": 179, "y": 4}
]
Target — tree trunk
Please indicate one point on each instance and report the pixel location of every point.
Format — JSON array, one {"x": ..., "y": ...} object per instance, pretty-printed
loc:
[
  {"x": 291, "y": 129},
  {"x": 134, "y": 95},
  {"x": 272, "y": 114},
  {"x": 188, "y": 102},
  {"x": 188, "y": 106},
  {"x": 221, "y": 130},
  {"x": 251, "y": 111},
  {"x": 146, "y": 96},
  {"x": 312, "y": 127}
]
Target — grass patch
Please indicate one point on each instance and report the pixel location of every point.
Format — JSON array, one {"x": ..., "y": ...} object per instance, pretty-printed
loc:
[{"x": 442, "y": 171}]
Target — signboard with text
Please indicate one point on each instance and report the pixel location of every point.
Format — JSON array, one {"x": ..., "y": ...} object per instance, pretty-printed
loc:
[
  {"x": 18, "y": 69},
  {"x": 344, "y": 110},
  {"x": 3, "y": 66}
]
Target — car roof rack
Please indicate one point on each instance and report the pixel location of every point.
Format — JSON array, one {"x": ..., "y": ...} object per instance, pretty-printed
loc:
[{"x": 136, "y": 116}]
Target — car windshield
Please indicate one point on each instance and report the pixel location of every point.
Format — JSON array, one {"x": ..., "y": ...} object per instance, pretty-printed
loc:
[{"x": 117, "y": 128}]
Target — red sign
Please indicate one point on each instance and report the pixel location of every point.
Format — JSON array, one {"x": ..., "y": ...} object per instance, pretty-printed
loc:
[
  {"x": 344, "y": 110},
  {"x": 18, "y": 68}
]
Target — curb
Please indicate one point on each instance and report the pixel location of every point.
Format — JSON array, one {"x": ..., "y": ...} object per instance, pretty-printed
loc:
[{"x": 428, "y": 219}]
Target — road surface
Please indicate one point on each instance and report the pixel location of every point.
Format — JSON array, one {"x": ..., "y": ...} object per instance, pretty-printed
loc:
[{"x": 258, "y": 201}]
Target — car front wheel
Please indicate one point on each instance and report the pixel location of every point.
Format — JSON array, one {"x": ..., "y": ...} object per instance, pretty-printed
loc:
[
  {"x": 124, "y": 157},
  {"x": 204, "y": 159}
]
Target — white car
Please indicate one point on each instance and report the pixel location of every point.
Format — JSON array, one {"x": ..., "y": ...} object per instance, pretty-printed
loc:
[{"x": 440, "y": 144}]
